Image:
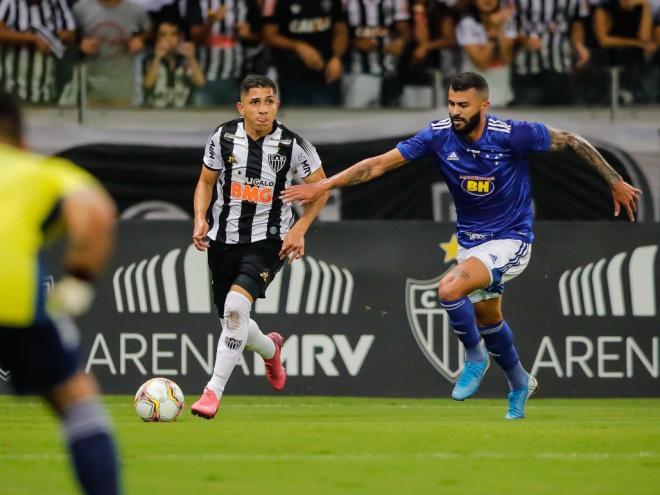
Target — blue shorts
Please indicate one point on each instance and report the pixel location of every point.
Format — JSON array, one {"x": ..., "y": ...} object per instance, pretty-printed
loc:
[{"x": 40, "y": 356}]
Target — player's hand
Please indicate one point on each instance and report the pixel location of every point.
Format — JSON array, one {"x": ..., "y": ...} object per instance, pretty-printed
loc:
[
  {"x": 135, "y": 45},
  {"x": 532, "y": 43},
  {"x": 623, "y": 194},
  {"x": 293, "y": 246},
  {"x": 310, "y": 56},
  {"x": 187, "y": 49},
  {"x": 160, "y": 50},
  {"x": 366, "y": 45},
  {"x": 217, "y": 14},
  {"x": 71, "y": 296},
  {"x": 583, "y": 55},
  {"x": 302, "y": 193},
  {"x": 41, "y": 45},
  {"x": 395, "y": 47},
  {"x": 333, "y": 70},
  {"x": 89, "y": 46},
  {"x": 199, "y": 234}
]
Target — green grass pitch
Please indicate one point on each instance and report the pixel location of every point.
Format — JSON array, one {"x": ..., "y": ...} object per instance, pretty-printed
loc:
[{"x": 311, "y": 445}]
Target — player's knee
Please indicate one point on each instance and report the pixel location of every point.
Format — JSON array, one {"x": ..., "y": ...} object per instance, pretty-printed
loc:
[
  {"x": 236, "y": 310},
  {"x": 448, "y": 290},
  {"x": 79, "y": 387}
]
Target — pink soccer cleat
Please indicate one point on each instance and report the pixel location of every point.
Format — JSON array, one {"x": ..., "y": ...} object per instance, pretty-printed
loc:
[
  {"x": 275, "y": 372},
  {"x": 207, "y": 405}
]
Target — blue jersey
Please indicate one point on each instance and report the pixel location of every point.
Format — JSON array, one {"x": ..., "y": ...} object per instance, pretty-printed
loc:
[{"x": 488, "y": 179}]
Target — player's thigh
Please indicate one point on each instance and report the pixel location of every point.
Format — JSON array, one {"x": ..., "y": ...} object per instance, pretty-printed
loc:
[
  {"x": 505, "y": 259},
  {"x": 467, "y": 276},
  {"x": 258, "y": 266},
  {"x": 41, "y": 356},
  {"x": 223, "y": 263}
]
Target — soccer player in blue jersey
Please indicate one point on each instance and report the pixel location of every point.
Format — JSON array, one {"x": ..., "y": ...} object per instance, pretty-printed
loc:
[{"x": 484, "y": 161}]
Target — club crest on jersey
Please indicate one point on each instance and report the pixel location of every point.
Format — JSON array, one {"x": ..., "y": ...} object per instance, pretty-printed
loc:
[
  {"x": 477, "y": 185},
  {"x": 431, "y": 328},
  {"x": 276, "y": 162}
]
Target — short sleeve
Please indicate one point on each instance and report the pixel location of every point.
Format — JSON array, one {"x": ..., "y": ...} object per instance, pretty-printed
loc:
[
  {"x": 529, "y": 137},
  {"x": 304, "y": 158},
  {"x": 417, "y": 146},
  {"x": 69, "y": 177},
  {"x": 470, "y": 32},
  {"x": 212, "y": 158}
]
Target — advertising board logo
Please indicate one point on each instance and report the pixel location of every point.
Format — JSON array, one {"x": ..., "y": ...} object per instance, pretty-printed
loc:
[
  {"x": 180, "y": 282},
  {"x": 601, "y": 288},
  {"x": 430, "y": 324}
]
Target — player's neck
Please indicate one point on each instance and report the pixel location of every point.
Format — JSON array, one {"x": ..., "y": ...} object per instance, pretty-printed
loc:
[{"x": 474, "y": 136}]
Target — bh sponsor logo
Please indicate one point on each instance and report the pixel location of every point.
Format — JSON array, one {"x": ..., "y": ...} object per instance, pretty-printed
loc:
[{"x": 477, "y": 185}]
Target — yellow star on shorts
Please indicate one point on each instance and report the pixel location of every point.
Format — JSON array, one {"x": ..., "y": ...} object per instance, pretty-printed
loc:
[{"x": 450, "y": 248}]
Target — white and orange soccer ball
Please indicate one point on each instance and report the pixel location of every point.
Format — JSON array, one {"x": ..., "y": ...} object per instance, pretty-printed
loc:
[{"x": 159, "y": 399}]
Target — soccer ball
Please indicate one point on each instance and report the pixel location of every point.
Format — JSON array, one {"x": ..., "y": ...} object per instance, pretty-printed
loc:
[{"x": 159, "y": 399}]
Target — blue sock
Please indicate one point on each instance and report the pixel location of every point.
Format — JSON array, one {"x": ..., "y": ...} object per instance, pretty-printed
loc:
[
  {"x": 87, "y": 432},
  {"x": 461, "y": 316},
  {"x": 499, "y": 343}
]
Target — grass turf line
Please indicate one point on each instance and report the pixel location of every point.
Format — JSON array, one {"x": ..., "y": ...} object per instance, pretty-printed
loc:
[{"x": 315, "y": 445}]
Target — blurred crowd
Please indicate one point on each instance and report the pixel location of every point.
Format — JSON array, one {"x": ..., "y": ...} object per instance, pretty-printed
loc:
[{"x": 351, "y": 53}]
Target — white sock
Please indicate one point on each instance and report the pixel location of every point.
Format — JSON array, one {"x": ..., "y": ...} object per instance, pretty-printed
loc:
[
  {"x": 232, "y": 340},
  {"x": 258, "y": 342}
]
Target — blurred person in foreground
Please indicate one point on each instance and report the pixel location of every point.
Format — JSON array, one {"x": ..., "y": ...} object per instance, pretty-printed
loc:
[
  {"x": 484, "y": 161},
  {"x": 247, "y": 229},
  {"x": 171, "y": 72},
  {"x": 39, "y": 342}
]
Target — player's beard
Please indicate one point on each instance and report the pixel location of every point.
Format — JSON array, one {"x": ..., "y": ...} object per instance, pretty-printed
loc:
[{"x": 470, "y": 125}]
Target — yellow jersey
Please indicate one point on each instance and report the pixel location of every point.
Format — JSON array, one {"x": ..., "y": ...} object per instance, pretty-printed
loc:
[{"x": 31, "y": 190}]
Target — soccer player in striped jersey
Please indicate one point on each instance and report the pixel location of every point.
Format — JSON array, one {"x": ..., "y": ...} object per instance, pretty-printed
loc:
[
  {"x": 39, "y": 343},
  {"x": 485, "y": 165},
  {"x": 247, "y": 229}
]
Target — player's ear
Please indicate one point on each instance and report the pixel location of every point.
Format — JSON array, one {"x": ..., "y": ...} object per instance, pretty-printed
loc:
[{"x": 239, "y": 107}]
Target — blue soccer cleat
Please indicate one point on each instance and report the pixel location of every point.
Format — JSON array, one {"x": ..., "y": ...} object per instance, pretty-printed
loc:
[
  {"x": 518, "y": 398},
  {"x": 471, "y": 376}
]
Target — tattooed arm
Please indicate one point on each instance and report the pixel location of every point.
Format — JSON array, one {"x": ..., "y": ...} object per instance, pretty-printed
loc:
[
  {"x": 623, "y": 194},
  {"x": 362, "y": 171}
]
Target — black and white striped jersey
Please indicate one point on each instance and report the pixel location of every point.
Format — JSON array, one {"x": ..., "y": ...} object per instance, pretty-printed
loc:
[
  {"x": 25, "y": 71},
  {"x": 551, "y": 21},
  {"x": 246, "y": 205},
  {"x": 374, "y": 19},
  {"x": 222, "y": 57}
]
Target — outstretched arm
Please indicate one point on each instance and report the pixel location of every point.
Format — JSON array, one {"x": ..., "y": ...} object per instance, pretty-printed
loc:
[
  {"x": 293, "y": 246},
  {"x": 362, "y": 171},
  {"x": 623, "y": 194}
]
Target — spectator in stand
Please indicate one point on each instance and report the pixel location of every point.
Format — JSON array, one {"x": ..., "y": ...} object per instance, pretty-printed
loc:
[
  {"x": 257, "y": 56},
  {"x": 433, "y": 49},
  {"x": 309, "y": 40},
  {"x": 379, "y": 32},
  {"x": 625, "y": 29},
  {"x": 543, "y": 63},
  {"x": 217, "y": 27},
  {"x": 487, "y": 33},
  {"x": 34, "y": 35},
  {"x": 112, "y": 33},
  {"x": 171, "y": 71}
]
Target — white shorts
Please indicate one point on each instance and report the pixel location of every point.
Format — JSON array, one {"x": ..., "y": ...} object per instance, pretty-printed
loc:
[{"x": 504, "y": 258}]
